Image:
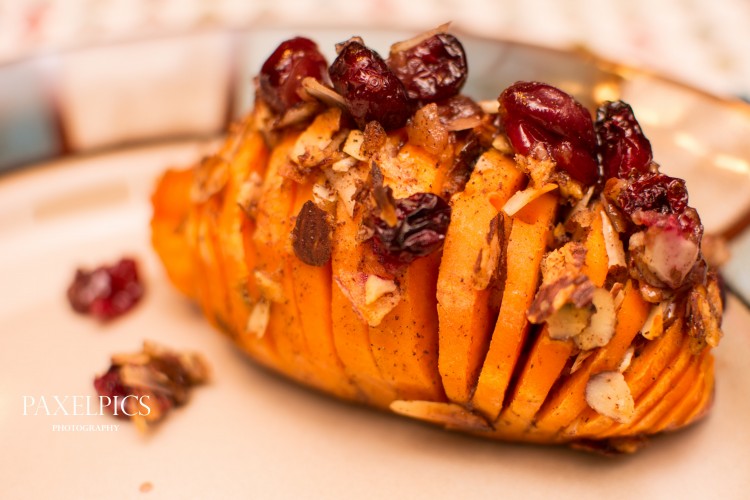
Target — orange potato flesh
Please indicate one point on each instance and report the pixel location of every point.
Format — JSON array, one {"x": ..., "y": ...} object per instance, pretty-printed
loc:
[
  {"x": 527, "y": 243},
  {"x": 676, "y": 392},
  {"x": 271, "y": 239},
  {"x": 312, "y": 297},
  {"x": 465, "y": 313},
  {"x": 643, "y": 371},
  {"x": 548, "y": 357},
  {"x": 405, "y": 343},
  {"x": 568, "y": 401},
  {"x": 351, "y": 335},
  {"x": 646, "y": 403},
  {"x": 171, "y": 205},
  {"x": 249, "y": 156},
  {"x": 691, "y": 397},
  {"x": 703, "y": 405}
]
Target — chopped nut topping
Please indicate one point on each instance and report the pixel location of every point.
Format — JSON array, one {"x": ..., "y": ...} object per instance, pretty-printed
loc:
[
  {"x": 449, "y": 415},
  {"x": 319, "y": 141},
  {"x": 500, "y": 142},
  {"x": 347, "y": 185},
  {"x": 627, "y": 358},
  {"x": 324, "y": 94},
  {"x": 374, "y": 139},
  {"x": 522, "y": 198},
  {"x": 562, "y": 282},
  {"x": 376, "y": 287},
  {"x": 269, "y": 288},
  {"x": 427, "y": 131},
  {"x": 344, "y": 164},
  {"x": 568, "y": 322},
  {"x": 416, "y": 40},
  {"x": 609, "y": 395},
  {"x": 249, "y": 195},
  {"x": 543, "y": 171},
  {"x": 653, "y": 327},
  {"x": 157, "y": 378},
  {"x": 353, "y": 145},
  {"x": 613, "y": 244},
  {"x": 582, "y": 356},
  {"x": 601, "y": 327},
  {"x": 487, "y": 266},
  {"x": 704, "y": 312},
  {"x": 257, "y": 322},
  {"x": 353, "y": 286},
  {"x": 311, "y": 236},
  {"x": 324, "y": 195}
]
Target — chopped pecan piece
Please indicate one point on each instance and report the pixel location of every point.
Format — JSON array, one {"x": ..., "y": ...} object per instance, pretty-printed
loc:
[
  {"x": 704, "y": 311},
  {"x": 144, "y": 386},
  {"x": 311, "y": 236},
  {"x": 562, "y": 283}
]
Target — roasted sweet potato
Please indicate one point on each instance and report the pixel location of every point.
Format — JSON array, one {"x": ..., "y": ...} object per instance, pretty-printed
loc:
[{"x": 495, "y": 273}]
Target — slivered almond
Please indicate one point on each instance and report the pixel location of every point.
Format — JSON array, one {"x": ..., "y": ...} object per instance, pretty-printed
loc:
[
  {"x": 491, "y": 107},
  {"x": 653, "y": 327},
  {"x": 582, "y": 356},
  {"x": 344, "y": 164},
  {"x": 376, "y": 287},
  {"x": 568, "y": 322},
  {"x": 315, "y": 144},
  {"x": 613, "y": 244},
  {"x": 627, "y": 358},
  {"x": 582, "y": 204},
  {"x": 414, "y": 41},
  {"x": 249, "y": 194},
  {"x": 524, "y": 197},
  {"x": 353, "y": 145},
  {"x": 257, "y": 322},
  {"x": 324, "y": 94},
  {"x": 609, "y": 395},
  {"x": 323, "y": 195},
  {"x": 449, "y": 415},
  {"x": 464, "y": 123},
  {"x": 353, "y": 286},
  {"x": 601, "y": 328},
  {"x": 500, "y": 142},
  {"x": 346, "y": 184}
]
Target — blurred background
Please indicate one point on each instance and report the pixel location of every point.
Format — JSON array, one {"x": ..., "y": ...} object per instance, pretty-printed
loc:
[{"x": 67, "y": 67}]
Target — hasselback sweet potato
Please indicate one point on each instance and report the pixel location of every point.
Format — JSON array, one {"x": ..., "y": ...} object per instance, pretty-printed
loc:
[{"x": 495, "y": 271}]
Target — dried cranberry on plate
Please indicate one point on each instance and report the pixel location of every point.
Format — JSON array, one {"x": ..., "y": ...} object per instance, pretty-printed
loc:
[{"x": 107, "y": 291}]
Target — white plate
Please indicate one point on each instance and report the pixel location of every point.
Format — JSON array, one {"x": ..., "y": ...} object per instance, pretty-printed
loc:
[{"x": 250, "y": 434}]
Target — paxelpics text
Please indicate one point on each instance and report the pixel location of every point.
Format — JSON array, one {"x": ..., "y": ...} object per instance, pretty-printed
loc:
[{"x": 57, "y": 406}]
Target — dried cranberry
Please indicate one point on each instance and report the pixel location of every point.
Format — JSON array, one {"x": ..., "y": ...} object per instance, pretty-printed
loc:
[
  {"x": 623, "y": 148},
  {"x": 538, "y": 115},
  {"x": 431, "y": 70},
  {"x": 654, "y": 192},
  {"x": 110, "y": 384},
  {"x": 107, "y": 291},
  {"x": 371, "y": 90},
  {"x": 282, "y": 73},
  {"x": 423, "y": 220}
]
